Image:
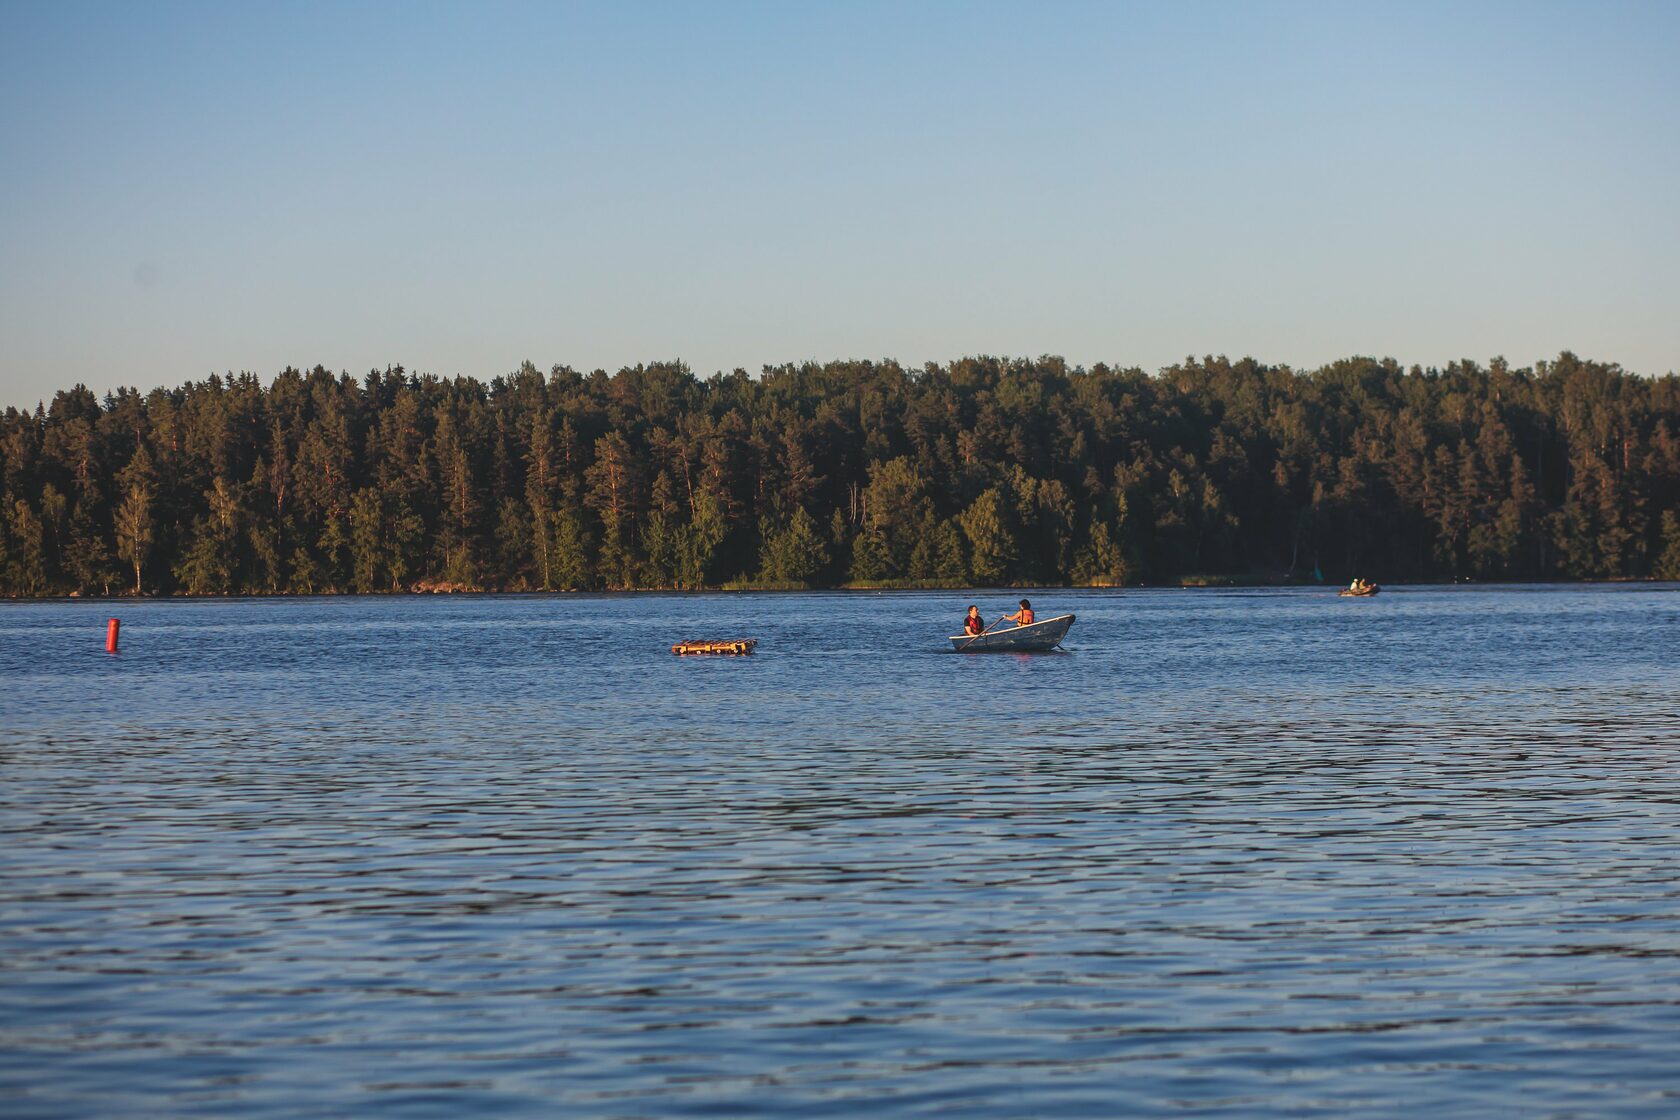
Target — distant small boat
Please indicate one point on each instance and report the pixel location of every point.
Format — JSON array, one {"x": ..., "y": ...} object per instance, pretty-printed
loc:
[
  {"x": 1362, "y": 593},
  {"x": 1038, "y": 637}
]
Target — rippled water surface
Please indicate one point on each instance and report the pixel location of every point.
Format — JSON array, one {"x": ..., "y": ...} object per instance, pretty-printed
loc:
[{"x": 1232, "y": 853}]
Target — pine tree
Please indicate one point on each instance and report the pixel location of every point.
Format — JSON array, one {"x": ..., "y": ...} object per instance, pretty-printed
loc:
[
  {"x": 1101, "y": 563},
  {"x": 514, "y": 532},
  {"x": 367, "y": 541},
  {"x": 539, "y": 493},
  {"x": 332, "y": 550},
  {"x": 991, "y": 542},
  {"x": 1512, "y": 524},
  {"x": 871, "y": 559},
  {"x": 306, "y": 573},
  {"x": 407, "y": 547},
  {"x": 459, "y": 506},
  {"x": 612, "y": 480},
  {"x": 700, "y": 546},
  {"x": 55, "y": 515},
  {"x": 662, "y": 550},
  {"x": 569, "y": 548},
  {"x": 87, "y": 557},
  {"x": 1668, "y": 561},
  {"x": 794, "y": 554},
  {"x": 210, "y": 566},
  {"x": 28, "y": 566},
  {"x": 950, "y": 561}
]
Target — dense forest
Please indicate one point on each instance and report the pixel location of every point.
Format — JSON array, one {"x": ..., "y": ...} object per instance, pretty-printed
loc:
[{"x": 979, "y": 472}]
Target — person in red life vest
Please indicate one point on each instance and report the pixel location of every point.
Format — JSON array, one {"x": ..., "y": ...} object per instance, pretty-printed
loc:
[
  {"x": 1022, "y": 617},
  {"x": 974, "y": 624}
]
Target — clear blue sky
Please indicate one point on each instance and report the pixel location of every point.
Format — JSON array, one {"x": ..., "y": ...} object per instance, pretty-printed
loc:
[{"x": 187, "y": 189}]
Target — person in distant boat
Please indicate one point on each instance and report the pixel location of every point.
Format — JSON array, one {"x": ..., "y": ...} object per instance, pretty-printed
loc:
[
  {"x": 974, "y": 624},
  {"x": 1022, "y": 617}
]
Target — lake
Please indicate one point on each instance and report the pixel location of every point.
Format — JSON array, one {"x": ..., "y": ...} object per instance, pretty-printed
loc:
[{"x": 1232, "y": 853}]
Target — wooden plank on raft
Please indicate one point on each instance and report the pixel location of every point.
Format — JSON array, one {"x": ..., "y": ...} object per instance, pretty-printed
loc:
[{"x": 730, "y": 646}]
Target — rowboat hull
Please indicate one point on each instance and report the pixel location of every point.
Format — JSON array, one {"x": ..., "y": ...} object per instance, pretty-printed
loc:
[
  {"x": 1359, "y": 594},
  {"x": 1019, "y": 639}
]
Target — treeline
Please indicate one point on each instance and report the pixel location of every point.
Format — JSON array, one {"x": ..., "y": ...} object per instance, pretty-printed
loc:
[{"x": 983, "y": 471}]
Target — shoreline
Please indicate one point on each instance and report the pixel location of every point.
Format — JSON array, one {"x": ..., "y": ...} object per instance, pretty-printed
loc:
[{"x": 846, "y": 589}]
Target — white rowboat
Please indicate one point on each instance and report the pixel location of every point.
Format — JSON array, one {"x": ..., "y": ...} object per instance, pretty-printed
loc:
[{"x": 1017, "y": 639}]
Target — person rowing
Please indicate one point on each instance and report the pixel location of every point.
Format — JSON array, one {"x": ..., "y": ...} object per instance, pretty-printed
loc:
[
  {"x": 1020, "y": 632},
  {"x": 1022, "y": 617}
]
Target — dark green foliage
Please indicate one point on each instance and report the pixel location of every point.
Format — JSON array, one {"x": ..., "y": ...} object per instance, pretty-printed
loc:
[
  {"x": 983, "y": 471},
  {"x": 794, "y": 554}
]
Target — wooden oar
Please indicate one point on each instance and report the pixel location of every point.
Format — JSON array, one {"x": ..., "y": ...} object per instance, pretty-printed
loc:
[{"x": 982, "y": 634}]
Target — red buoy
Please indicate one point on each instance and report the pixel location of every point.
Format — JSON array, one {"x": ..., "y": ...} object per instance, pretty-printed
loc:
[{"x": 111, "y": 628}]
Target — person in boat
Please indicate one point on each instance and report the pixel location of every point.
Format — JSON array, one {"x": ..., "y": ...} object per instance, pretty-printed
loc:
[
  {"x": 1022, "y": 617},
  {"x": 974, "y": 624}
]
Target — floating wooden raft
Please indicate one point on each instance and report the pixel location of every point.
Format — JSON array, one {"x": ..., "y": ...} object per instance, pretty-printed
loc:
[{"x": 735, "y": 646}]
